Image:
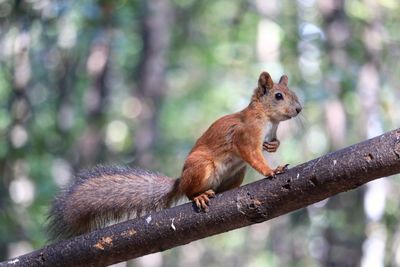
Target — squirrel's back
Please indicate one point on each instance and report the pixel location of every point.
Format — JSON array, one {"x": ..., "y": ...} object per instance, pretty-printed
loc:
[{"x": 104, "y": 194}]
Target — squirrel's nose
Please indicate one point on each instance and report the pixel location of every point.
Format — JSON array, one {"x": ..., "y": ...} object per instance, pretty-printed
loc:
[{"x": 298, "y": 109}]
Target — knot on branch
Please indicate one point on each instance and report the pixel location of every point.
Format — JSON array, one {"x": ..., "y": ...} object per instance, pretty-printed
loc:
[
  {"x": 397, "y": 144},
  {"x": 397, "y": 149},
  {"x": 251, "y": 207}
]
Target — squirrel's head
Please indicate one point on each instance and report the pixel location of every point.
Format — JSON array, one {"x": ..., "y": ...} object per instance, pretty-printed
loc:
[{"x": 279, "y": 101}]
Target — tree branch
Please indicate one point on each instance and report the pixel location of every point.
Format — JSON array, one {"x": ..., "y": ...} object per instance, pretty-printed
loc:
[{"x": 253, "y": 203}]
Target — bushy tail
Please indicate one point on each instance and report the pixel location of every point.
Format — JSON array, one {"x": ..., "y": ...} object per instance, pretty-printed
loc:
[{"x": 106, "y": 194}]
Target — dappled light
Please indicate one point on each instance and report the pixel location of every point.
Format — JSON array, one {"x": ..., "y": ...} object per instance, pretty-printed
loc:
[{"x": 136, "y": 83}]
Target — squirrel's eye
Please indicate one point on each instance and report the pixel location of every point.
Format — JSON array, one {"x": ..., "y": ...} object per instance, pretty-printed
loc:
[{"x": 278, "y": 96}]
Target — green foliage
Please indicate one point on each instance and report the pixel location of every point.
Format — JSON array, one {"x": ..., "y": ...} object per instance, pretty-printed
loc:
[{"x": 70, "y": 98}]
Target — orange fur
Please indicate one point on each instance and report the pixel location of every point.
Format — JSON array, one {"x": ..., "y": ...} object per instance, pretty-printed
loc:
[
  {"x": 217, "y": 160},
  {"x": 216, "y": 163}
]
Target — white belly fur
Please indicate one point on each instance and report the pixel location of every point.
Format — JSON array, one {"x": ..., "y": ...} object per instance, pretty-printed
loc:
[
  {"x": 226, "y": 169},
  {"x": 269, "y": 131}
]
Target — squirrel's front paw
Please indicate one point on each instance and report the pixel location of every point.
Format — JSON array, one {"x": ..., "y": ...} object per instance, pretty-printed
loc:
[
  {"x": 203, "y": 199},
  {"x": 278, "y": 170},
  {"x": 272, "y": 145}
]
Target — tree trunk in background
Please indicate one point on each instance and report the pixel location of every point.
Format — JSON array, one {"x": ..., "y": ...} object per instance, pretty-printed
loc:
[
  {"x": 343, "y": 247},
  {"x": 152, "y": 84},
  {"x": 337, "y": 32},
  {"x": 91, "y": 145},
  {"x": 370, "y": 125},
  {"x": 12, "y": 168},
  {"x": 4, "y": 202}
]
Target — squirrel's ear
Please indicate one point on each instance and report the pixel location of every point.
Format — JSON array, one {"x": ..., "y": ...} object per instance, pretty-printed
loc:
[
  {"x": 265, "y": 81},
  {"x": 284, "y": 80}
]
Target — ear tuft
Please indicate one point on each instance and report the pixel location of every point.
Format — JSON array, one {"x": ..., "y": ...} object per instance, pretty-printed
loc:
[
  {"x": 284, "y": 80},
  {"x": 265, "y": 81}
]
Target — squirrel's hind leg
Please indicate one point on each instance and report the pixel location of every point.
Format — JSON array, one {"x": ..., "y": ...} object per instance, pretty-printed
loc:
[{"x": 197, "y": 182}]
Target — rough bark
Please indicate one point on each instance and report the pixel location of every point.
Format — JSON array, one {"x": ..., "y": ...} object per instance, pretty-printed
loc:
[{"x": 300, "y": 186}]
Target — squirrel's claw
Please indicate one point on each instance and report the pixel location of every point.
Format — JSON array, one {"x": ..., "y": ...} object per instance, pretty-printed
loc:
[
  {"x": 281, "y": 169},
  {"x": 201, "y": 203},
  {"x": 203, "y": 199},
  {"x": 210, "y": 193}
]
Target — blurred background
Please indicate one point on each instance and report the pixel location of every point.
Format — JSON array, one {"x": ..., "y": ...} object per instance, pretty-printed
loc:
[{"x": 137, "y": 82}]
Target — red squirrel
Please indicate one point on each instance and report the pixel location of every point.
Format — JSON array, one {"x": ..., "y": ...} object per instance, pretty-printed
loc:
[{"x": 216, "y": 163}]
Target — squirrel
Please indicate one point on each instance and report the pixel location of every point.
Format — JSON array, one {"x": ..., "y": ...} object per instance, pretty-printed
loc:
[{"x": 216, "y": 163}]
